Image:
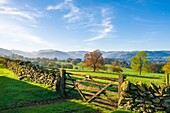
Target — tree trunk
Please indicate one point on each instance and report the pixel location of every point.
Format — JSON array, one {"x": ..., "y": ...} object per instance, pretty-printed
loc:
[
  {"x": 140, "y": 69},
  {"x": 167, "y": 79},
  {"x": 94, "y": 68}
]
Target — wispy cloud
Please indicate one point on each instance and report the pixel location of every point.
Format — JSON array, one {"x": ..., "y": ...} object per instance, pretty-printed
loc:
[
  {"x": 140, "y": 19},
  {"x": 98, "y": 21},
  {"x": 73, "y": 14},
  {"x": 105, "y": 25},
  {"x": 30, "y": 15},
  {"x": 151, "y": 34},
  {"x": 15, "y": 30},
  {"x": 18, "y": 32},
  {"x": 3, "y": 2},
  {"x": 140, "y": 1}
]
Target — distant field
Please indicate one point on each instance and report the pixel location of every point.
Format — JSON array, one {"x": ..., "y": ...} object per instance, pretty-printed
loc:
[
  {"x": 155, "y": 78},
  {"x": 131, "y": 75}
]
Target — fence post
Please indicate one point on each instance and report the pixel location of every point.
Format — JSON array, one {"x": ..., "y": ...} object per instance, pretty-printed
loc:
[
  {"x": 120, "y": 80},
  {"x": 62, "y": 81},
  {"x": 167, "y": 79}
]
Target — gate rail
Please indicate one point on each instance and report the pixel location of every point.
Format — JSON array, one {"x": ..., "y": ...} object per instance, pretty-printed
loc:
[{"x": 70, "y": 81}]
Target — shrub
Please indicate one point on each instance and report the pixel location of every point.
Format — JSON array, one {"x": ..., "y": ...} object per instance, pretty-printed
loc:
[{"x": 115, "y": 69}]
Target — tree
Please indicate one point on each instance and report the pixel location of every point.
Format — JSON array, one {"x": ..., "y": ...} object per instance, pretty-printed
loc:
[
  {"x": 139, "y": 62},
  {"x": 69, "y": 60},
  {"x": 94, "y": 60},
  {"x": 108, "y": 60},
  {"x": 115, "y": 63},
  {"x": 155, "y": 67},
  {"x": 81, "y": 66},
  {"x": 115, "y": 69},
  {"x": 123, "y": 63},
  {"x": 76, "y": 61},
  {"x": 166, "y": 69}
]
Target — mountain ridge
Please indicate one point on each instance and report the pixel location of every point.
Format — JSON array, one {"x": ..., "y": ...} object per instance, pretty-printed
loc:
[{"x": 61, "y": 55}]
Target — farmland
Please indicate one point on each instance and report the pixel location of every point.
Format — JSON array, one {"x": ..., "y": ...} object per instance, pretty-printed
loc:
[
  {"x": 20, "y": 96},
  {"x": 131, "y": 75},
  {"x": 22, "y": 93}
]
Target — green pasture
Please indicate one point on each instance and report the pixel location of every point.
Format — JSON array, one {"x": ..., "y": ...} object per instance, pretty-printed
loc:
[
  {"x": 14, "y": 92},
  {"x": 131, "y": 75}
]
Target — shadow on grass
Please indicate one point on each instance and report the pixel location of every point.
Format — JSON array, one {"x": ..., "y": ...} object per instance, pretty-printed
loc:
[
  {"x": 122, "y": 111},
  {"x": 1, "y": 66},
  {"x": 64, "y": 107},
  {"x": 19, "y": 93},
  {"x": 15, "y": 92},
  {"x": 138, "y": 76}
]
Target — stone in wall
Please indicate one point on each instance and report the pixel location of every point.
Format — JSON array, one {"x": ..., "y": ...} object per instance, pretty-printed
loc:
[
  {"x": 142, "y": 98},
  {"x": 34, "y": 73}
]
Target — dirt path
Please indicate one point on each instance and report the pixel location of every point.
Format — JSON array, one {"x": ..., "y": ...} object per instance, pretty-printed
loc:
[{"x": 35, "y": 103}]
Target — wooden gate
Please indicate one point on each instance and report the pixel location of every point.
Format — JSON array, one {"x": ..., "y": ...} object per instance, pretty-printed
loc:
[{"x": 101, "y": 91}]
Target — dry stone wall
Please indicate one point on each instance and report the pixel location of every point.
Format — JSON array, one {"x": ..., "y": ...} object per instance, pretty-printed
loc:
[
  {"x": 142, "y": 98},
  {"x": 34, "y": 73}
]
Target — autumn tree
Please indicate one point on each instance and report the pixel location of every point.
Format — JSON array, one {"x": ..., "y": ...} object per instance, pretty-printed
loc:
[
  {"x": 94, "y": 60},
  {"x": 139, "y": 62}
]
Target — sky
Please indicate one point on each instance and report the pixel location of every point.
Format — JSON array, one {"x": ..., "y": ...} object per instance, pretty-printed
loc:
[{"x": 74, "y": 25}]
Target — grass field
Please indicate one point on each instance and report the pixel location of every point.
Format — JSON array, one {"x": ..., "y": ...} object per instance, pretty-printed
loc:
[
  {"x": 16, "y": 93},
  {"x": 132, "y": 76}
]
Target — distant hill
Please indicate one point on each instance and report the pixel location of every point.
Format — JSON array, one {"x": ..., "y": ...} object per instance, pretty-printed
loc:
[
  {"x": 5, "y": 52},
  {"x": 154, "y": 56},
  {"x": 53, "y": 54},
  {"x": 77, "y": 54}
]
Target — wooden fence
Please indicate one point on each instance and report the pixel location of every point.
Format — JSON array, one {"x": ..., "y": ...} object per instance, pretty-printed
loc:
[{"x": 101, "y": 91}]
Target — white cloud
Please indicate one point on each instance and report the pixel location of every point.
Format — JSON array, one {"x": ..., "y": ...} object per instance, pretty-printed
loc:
[
  {"x": 68, "y": 0},
  {"x": 18, "y": 32},
  {"x": 97, "y": 21},
  {"x": 74, "y": 13},
  {"x": 106, "y": 26},
  {"x": 151, "y": 35},
  {"x": 16, "y": 27},
  {"x": 30, "y": 15},
  {"x": 3, "y": 2}
]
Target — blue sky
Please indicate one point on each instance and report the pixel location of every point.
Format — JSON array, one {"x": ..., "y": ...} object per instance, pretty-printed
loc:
[{"x": 71, "y": 25}]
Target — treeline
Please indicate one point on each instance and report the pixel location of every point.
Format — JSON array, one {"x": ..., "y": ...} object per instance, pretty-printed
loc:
[
  {"x": 156, "y": 67},
  {"x": 78, "y": 63},
  {"x": 34, "y": 73},
  {"x": 55, "y": 63}
]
